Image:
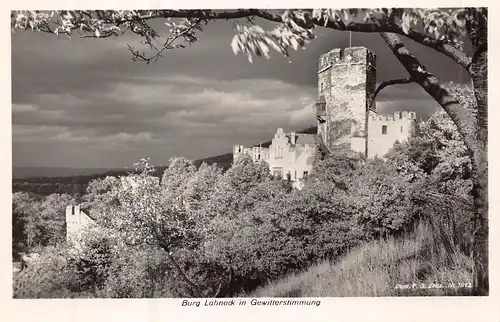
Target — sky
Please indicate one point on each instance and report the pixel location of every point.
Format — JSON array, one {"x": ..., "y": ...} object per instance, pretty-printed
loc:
[{"x": 83, "y": 103}]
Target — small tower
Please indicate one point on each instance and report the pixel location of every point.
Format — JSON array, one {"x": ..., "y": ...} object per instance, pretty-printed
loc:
[
  {"x": 346, "y": 82},
  {"x": 76, "y": 220},
  {"x": 237, "y": 151}
]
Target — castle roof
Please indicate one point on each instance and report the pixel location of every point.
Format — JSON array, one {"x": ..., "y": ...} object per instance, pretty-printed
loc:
[
  {"x": 301, "y": 138},
  {"x": 311, "y": 130}
]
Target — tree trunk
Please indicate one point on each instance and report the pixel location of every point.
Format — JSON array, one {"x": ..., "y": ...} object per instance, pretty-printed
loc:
[
  {"x": 480, "y": 235},
  {"x": 479, "y": 75},
  {"x": 478, "y": 34},
  {"x": 474, "y": 133},
  {"x": 193, "y": 286}
]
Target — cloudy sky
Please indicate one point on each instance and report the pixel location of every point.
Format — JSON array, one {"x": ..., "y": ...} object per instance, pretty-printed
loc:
[{"x": 84, "y": 103}]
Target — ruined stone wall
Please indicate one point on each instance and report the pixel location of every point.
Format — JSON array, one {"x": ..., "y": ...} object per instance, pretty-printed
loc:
[
  {"x": 346, "y": 79},
  {"x": 256, "y": 153}
]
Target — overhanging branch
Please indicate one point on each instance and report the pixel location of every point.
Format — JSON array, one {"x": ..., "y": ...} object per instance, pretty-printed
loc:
[
  {"x": 384, "y": 26},
  {"x": 141, "y": 18},
  {"x": 460, "y": 115},
  {"x": 384, "y": 84}
]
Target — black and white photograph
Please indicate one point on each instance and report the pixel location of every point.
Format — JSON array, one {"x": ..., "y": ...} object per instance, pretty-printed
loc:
[{"x": 259, "y": 157}]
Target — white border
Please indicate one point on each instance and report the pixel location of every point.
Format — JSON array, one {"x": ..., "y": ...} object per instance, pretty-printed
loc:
[{"x": 332, "y": 309}]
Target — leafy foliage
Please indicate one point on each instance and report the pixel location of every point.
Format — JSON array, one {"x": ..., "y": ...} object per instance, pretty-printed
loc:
[
  {"x": 38, "y": 222},
  {"x": 237, "y": 230},
  {"x": 294, "y": 28}
]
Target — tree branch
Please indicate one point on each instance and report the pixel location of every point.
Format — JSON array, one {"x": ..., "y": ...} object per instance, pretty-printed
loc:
[
  {"x": 167, "y": 45},
  {"x": 384, "y": 84},
  {"x": 460, "y": 115},
  {"x": 458, "y": 56},
  {"x": 140, "y": 17},
  {"x": 194, "y": 287}
]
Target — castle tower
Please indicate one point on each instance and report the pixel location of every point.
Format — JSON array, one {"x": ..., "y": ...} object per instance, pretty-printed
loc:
[
  {"x": 237, "y": 151},
  {"x": 76, "y": 220},
  {"x": 346, "y": 81}
]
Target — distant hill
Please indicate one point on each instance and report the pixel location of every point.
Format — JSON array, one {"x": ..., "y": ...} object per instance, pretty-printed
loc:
[
  {"x": 45, "y": 181},
  {"x": 32, "y": 172}
]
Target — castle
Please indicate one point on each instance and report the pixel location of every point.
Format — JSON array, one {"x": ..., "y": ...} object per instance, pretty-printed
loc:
[{"x": 346, "y": 118}]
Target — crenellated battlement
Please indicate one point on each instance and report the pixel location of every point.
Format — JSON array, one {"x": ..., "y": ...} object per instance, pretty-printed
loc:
[
  {"x": 396, "y": 116},
  {"x": 350, "y": 55}
]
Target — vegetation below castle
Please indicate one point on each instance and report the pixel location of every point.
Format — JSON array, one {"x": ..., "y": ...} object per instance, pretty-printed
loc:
[
  {"x": 413, "y": 265},
  {"x": 244, "y": 232}
]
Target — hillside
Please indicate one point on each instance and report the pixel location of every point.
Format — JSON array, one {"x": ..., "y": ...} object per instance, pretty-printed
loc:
[{"x": 382, "y": 269}]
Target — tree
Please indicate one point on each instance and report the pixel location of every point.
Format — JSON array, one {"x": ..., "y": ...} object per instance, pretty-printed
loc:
[
  {"x": 137, "y": 214},
  {"x": 176, "y": 175},
  {"x": 38, "y": 222},
  {"x": 22, "y": 210},
  {"x": 442, "y": 30},
  {"x": 53, "y": 218},
  {"x": 201, "y": 187}
]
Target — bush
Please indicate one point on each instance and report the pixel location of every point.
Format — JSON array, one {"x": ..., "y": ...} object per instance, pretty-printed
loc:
[{"x": 44, "y": 278}]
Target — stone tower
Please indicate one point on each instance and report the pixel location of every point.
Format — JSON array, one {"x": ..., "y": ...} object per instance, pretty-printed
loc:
[{"x": 346, "y": 81}]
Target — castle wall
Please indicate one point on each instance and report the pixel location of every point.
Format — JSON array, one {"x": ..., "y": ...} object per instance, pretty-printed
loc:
[
  {"x": 76, "y": 220},
  {"x": 304, "y": 157},
  {"x": 256, "y": 153},
  {"x": 282, "y": 156},
  {"x": 385, "y": 130},
  {"x": 293, "y": 160},
  {"x": 346, "y": 79}
]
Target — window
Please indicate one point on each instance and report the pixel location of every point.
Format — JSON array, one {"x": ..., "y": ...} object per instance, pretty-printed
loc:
[
  {"x": 258, "y": 157},
  {"x": 384, "y": 129},
  {"x": 306, "y": 173},
  {"x": 401, "y": 129},
  {"x": 295, "y": 175},
  {"x": 321, "y": 88},
  {"x": 277, "y": 172}
]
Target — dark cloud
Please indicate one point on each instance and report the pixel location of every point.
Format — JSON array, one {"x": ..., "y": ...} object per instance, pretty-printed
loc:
[{"x": 84, "y": 103}]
